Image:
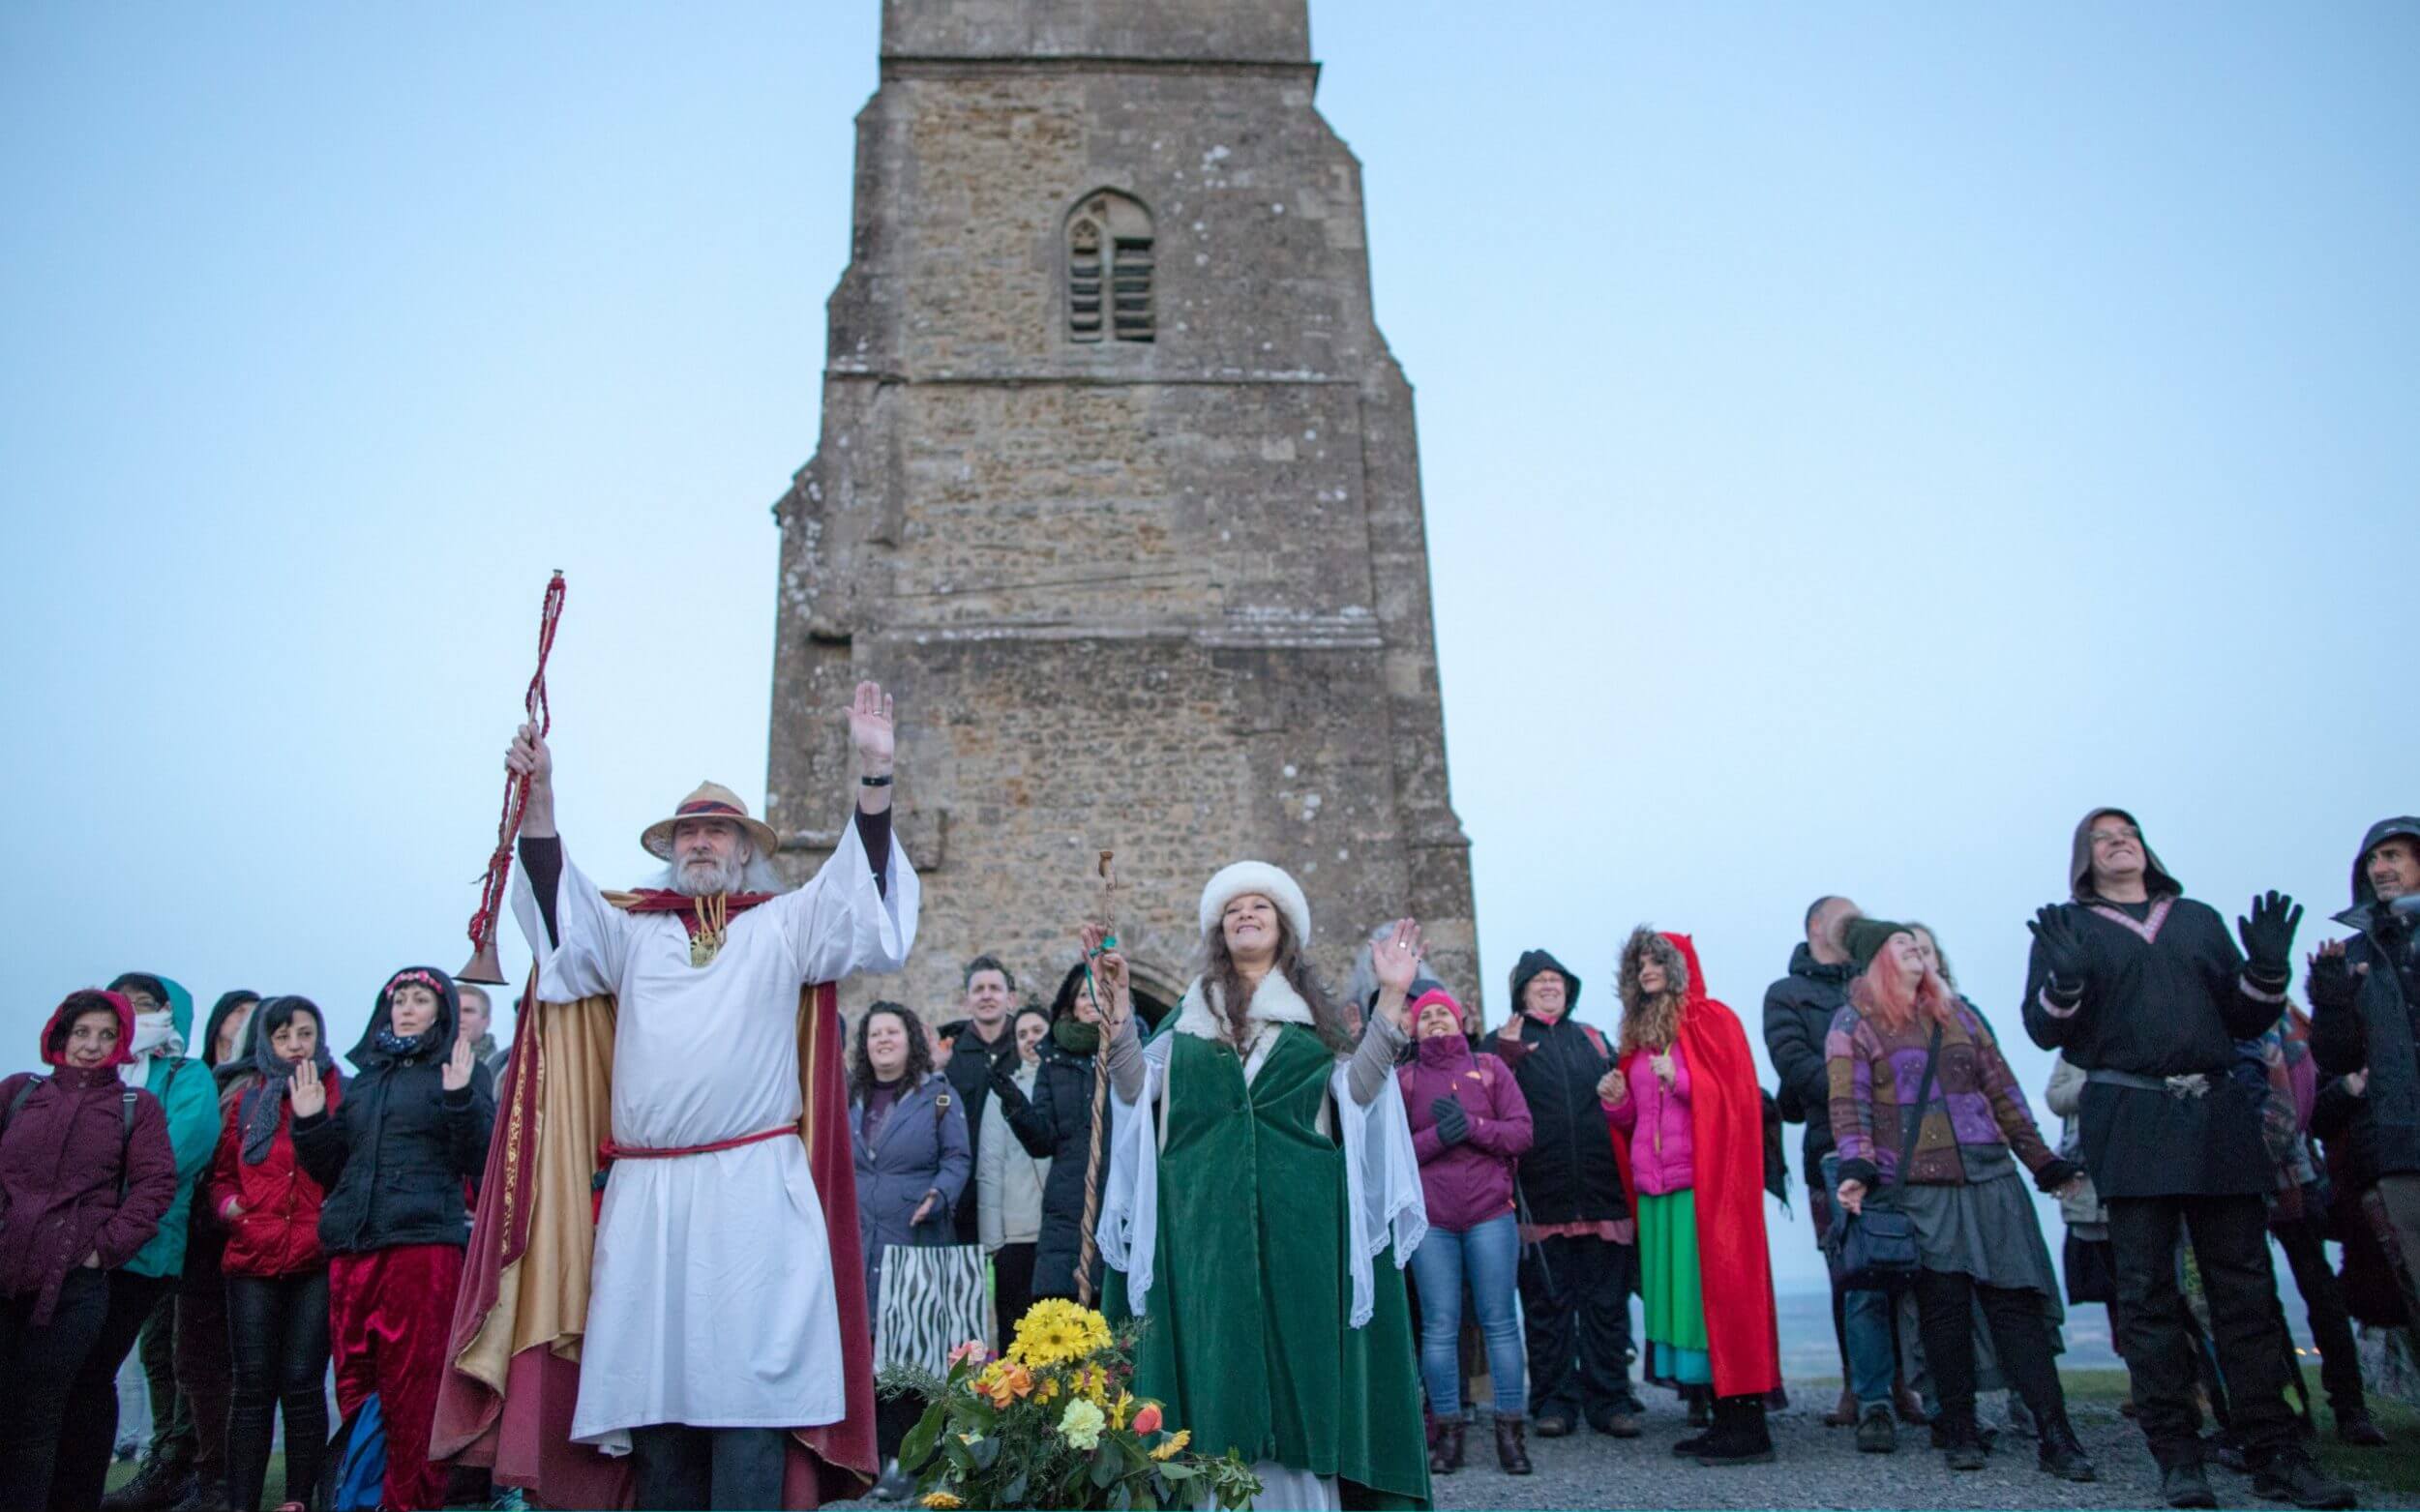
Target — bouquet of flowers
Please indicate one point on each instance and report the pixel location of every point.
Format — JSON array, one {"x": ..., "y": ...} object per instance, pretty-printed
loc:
[{"x": 1051, "y": 1424}]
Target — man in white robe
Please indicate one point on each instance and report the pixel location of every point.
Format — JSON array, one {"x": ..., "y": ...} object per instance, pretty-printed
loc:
[{"x": 713, "y": 1325}]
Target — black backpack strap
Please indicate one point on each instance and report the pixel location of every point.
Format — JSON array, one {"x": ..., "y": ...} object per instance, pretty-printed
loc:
[
  {"x": 19, "y": 1101},
  {"x": 126, "y": 1140}
]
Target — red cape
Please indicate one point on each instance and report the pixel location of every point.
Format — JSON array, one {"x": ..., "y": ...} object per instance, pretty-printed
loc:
[
  {"x": 1727, "y": 1184},
  {"x": 512, "y": 1367}
]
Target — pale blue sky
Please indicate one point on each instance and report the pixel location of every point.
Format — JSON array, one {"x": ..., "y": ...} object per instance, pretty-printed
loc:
[{"x": 1856, "y": 440}]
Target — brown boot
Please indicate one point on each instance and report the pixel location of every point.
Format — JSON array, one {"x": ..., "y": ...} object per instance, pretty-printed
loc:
[
  {"x": 1445, "y": 1449},
  {"x": 1511, "y": 1452},
  {"x": 1843, "y": 1416}
]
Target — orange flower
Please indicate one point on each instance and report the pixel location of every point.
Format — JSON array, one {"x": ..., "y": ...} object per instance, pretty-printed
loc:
[
  {"x": 1012, "y": 1381},
  {"x": 1148, "y": 1419}
]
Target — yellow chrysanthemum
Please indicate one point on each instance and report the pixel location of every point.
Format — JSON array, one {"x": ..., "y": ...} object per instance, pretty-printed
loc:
[
  {"x": 941, "y": 1500},
  {"x": 1174, "y": 1445},
  {"x": 1055, "y": 1330}
]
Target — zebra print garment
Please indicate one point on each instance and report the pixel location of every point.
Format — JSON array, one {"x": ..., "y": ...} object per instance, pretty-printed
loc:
[{"x": 935, "y": 1298}]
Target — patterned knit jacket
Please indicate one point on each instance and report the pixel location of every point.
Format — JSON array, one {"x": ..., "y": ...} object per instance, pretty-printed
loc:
[{"x": 1975, "y": 1100}]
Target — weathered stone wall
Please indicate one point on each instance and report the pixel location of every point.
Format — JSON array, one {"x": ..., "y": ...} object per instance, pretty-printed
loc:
[{"x": 1166, "y": 598}]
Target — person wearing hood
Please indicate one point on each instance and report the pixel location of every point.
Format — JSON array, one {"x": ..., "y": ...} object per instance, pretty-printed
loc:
[
  {"x": 1925, "y": 1105},
  {"x": 973, "y": 1048},
  {"x": 1684, "y": 1101},
  {"x": 394, "y": 1156},
  {"x": 277, "y": 1274},
  {"x": 143, "y": 1293},
  {"x": 1262, "y": 1197},
  {"x": 2365, "y": 1026},
  {"x": 1470, "y": 1127},
  {"x": 87, "y": 1174},
  {"x": 204, "y": 1377},
  {"x": 2144, "y": 991},
  {"x": 1576, "y": 1231}
]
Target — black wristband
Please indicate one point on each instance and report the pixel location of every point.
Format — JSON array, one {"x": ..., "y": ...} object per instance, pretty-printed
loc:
[{"x": 873, "y": 782}]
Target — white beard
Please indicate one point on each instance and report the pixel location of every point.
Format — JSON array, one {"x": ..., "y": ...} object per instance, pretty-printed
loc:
[{"x": 704, "y": 878}]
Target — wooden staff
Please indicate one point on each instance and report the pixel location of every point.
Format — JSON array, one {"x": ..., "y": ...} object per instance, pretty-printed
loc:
[
  {"x": 484, "y": 967},
  {"x": 1100, "y": 1092}
]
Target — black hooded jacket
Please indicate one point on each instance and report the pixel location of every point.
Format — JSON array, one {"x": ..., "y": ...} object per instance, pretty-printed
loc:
[
  {"x": 2377, "y": 1031},
  {"x": 1056, "y": 1123},
  {"x": 1569, "y": 1174},
  {"x": 399, "y": 1152},
  {"x": 2166, "y": 993},
  {"x": 1798, "y": 1014}
]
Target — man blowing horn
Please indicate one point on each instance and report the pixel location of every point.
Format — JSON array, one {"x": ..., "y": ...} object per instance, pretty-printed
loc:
[{"x": 684, "y": 1064}]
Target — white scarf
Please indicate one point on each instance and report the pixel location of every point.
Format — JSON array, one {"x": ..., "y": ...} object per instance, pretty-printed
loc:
[{"x": 154, "y": 1034}]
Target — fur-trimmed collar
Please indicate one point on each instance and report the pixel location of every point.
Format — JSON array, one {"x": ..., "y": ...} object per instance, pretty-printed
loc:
[{"x": 1273, "y": 1001}]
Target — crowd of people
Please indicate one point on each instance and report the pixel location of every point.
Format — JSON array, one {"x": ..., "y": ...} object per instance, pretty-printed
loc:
[{"x": 690, "y": 1173}]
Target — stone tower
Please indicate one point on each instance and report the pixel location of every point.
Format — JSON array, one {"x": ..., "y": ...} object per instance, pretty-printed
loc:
[{"x": 1117, "y": 491}]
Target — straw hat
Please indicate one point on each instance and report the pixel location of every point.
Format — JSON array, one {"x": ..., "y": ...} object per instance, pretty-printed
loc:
[{"x": 711, "y": 801}]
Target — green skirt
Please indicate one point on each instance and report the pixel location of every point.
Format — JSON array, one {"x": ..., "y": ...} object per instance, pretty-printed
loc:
[{"x": 1676, "y": 1310}]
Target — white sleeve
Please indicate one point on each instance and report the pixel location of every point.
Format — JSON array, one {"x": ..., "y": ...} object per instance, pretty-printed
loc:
[
  {"x": 592, "y": 943},
  {"x": 841, "y": 924},
  {"x": 988, "y": 1166},
  {"x": 1384, "y": 1203},
  {"x": 1129, "y": 1230}
]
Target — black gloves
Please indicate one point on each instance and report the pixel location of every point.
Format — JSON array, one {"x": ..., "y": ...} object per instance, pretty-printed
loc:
[
  {"x": 2056, "y": 1174},
  {"x": 2062, "y": 950},
  {"x": 2333, "y": 983},
  {"x": 1454, "y": 1125},
  {"x": 2268, "y": 935}
]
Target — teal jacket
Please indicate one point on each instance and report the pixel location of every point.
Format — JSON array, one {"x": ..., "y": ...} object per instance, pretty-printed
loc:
[{"x": 190, "y": 1095}]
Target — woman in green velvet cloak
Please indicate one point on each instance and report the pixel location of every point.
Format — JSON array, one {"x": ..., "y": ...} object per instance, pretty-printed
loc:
[{"x": 1261, "y": 1200}]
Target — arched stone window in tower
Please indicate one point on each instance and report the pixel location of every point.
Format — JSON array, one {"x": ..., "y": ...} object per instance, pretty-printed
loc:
[{"x": 1109, "y": 269}]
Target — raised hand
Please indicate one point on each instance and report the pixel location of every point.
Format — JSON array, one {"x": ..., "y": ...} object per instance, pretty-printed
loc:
[
  {"x": 457, "y": 1073},
  {"x": 1111, "y": 980},
  {"x": 871, "y": 730},
  {"x": 2334, "y": 980},
  {"x": 2062, "y": 948},
  {"x": 2268, "y": 935},
  {"x": 528, "y": 755},
  {"x": 308, "y": 1097},
  {"x": 1395, "y": 959}
]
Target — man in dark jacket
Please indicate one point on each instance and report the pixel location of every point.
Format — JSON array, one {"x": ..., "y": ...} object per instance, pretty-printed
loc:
[
  {"x": 2144, "y": 991},
  {"x": 1577, "y": 1258},
  {"x": 978, "y": 1045},
  {"x": 2364, "y": 993},
  {"x": 1798, "y": 1013}
]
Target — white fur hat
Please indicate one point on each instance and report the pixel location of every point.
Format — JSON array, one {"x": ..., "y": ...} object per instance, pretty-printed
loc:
[{"x": 1272, "y": 883}]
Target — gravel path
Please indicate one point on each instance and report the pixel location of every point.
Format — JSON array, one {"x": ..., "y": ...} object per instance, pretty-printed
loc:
[{"x": 1814, "y": 1466}]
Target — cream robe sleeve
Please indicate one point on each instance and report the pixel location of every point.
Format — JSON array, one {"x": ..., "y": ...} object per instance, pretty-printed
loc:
[
  {"x": 595, "y": 944},
  {"x": 840, "y": 923}
]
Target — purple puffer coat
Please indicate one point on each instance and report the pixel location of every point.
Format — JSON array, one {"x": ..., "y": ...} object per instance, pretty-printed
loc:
[
  {"x": 1470, "y": 1182},
  {"x": 61, "y": 1152}
]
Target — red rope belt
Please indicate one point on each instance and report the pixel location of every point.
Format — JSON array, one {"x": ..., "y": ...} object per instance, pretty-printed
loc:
[{"x": 609, "y": 1152}]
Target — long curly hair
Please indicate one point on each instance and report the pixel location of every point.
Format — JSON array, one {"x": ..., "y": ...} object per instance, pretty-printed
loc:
[
  {"x": 861, "y": 1078},
  {"x": 1879, "y": 994},
  {"x": 1652, "y": 1023},
  {"x": 1232, "y": 1000}
]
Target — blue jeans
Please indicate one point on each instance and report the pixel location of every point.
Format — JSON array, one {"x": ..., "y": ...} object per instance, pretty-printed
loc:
[
  {"x": 1488, "y": 1257},
  {"x": 1865, "y": 1327}
]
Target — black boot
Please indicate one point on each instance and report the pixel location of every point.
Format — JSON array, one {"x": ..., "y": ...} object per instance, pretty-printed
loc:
[
  {"x": 1740, "y": 1435},
  {"x": 156, "y": 1485},
  {"x": 2059, "y": 1453},
  {"x": 1511, "y": 1452},
  {"x": 1445, "y": 1447},
  {"x": 1961, "y": 1443}
]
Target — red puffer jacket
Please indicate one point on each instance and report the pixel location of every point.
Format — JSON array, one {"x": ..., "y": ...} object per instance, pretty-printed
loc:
[{"x": 271, "y": 1212}]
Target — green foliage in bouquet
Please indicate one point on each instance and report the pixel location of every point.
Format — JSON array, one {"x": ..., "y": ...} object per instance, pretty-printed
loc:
[{"x": 1051, "y": 1424}]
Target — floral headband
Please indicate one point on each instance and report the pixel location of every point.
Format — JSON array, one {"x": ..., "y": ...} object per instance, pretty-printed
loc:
[{"x": 415, "y": 977}]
